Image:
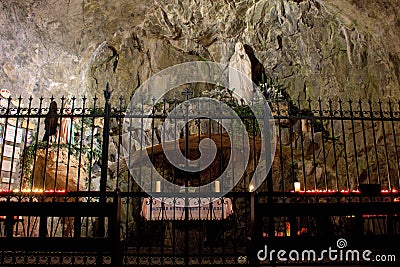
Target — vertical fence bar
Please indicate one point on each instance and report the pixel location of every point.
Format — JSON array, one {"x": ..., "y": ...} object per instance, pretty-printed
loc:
[
  {"x": 169, "y": 225},
  {"x": 312, "y": 122},
  {"x": 104, "y": 155},
  {"x": 70, "y": 110},
  {"x": 253, "y": 234},
  {"x": 62, "y": 117},
  {"x": 152, "y": 115},
  {"x": 129, "y": 111},
  {"x": 344, "y": 145},
  {"x": 354, "y": 141},
  {"x": 119, "y": 143},
  {"x": 291, "y": 137},
  {"x": 331, "y": 117},
  {"x": 300, "y": 132},
  {"x": 82, "y": 136},
  {"x": 270, "y": 185},
  {"x": 397, "y": 165},
  {"x": 28, "y": 111},
  {"x": 323, "y": 143},
  {"x": 382, "y": 117},
  {"x": 36, "y": 140},
  {"x": 365, "y": 140},
  {"x": 93, "y": 118},
  {"x": 16, "y": 111},
  {"x": 374, "y": 138},
  {"x": 6, "y": 126},
  {"x": 278, "y": 118},
  {"x": 398, "y": 109},
  {"x": 186, "y": 93}
]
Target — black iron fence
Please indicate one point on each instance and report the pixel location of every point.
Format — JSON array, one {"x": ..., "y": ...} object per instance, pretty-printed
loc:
[{"x": 324, "y": 152}]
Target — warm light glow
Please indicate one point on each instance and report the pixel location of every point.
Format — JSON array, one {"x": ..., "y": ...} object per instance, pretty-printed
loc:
[
  {"x": 217, "y": 187},
  {"x": 296, "y": 186},
  {"x": 34, "y": 190},
  {"x": 343, "y": 191},
  {"x": 158, "y": 186},
  {"x": 251, "y": 188},
  {"x": 287, "y": 224},
  {"x": 2, "y": 217}
]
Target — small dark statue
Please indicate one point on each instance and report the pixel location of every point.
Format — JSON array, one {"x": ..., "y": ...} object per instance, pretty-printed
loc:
[{"x": 51, "y": 123}]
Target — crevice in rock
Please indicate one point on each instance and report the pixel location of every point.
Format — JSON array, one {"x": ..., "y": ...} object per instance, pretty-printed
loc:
[
  {"x": 396, "y": 63},
  {"x": 279, "y": 40},
  {"x": 136, "y": 42},
  {"x": 257, "y": 69},
  {"x": 114, "y": 56}
]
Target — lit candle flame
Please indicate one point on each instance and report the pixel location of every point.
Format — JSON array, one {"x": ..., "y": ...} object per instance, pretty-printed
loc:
[{"x": 251, "y": 188}]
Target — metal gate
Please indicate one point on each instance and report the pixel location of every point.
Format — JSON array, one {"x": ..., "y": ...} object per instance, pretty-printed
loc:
[{"x": 322, "y": 148}]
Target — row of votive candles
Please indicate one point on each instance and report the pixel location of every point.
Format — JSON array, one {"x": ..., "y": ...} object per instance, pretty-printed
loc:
[
  {"x": 297, "y": 188},
  {"x": 34, "y": 190},
  {"x": 217, "y": 186}
]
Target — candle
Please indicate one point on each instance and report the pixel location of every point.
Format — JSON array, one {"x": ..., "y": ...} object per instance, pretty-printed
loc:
[
  {"x": 251, "y": 188},
  {"x": 217, "y": 187},
  {"x": 296, "y": 186},
  {"x": 158, "y": 186}
]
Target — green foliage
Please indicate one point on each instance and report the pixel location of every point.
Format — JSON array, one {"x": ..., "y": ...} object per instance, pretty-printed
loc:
[
  {"x": 248, "y": 119},
  {"x": 243, "y": 110},
  {"x": 86, "y": 143},
  {"x": 29, "y": 156}
]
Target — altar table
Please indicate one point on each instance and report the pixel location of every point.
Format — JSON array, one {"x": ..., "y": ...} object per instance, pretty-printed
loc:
[{"x": 154, "y": 209}]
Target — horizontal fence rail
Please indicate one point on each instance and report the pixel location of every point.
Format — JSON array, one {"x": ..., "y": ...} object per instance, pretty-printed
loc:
[{"x": 325, "y": 152}]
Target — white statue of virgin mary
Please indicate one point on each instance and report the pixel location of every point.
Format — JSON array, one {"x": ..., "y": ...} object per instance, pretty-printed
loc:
[
  {"x": 241, "y": 83},
  {"x": 66, "y": 131}
]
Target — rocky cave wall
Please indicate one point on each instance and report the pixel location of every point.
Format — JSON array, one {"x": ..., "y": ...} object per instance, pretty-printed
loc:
[{"x": 314, "y": 48}]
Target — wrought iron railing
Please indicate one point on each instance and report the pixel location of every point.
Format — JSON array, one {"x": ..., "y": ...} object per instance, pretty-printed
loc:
[{"x": 327, "y": 148}]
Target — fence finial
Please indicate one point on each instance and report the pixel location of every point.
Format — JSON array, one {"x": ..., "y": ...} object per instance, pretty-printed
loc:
[{"x": 107, "y": 92}]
